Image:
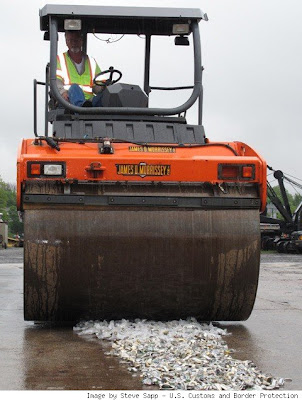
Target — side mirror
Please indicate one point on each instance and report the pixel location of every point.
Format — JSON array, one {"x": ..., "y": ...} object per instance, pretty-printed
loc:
[
  {"x": 47, "y": 36},
  {"x": 181, "y": 41}
]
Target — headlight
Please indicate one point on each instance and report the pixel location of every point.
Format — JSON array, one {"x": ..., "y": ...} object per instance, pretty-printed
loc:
[
  {"x": 53, "y": 169},
  {"x": 72, "y": 24},
  {"x": 40, "y": 169}
]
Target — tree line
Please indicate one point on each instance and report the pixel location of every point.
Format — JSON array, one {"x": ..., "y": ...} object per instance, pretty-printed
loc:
[
  {"x": 8, "y": 207},
  {"x": 293, "y": 199}
]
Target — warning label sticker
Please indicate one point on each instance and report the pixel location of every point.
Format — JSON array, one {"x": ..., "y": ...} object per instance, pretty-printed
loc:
[{"x": 143, "y": 169}]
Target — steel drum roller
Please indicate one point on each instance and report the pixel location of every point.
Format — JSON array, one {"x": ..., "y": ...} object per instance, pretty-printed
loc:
[{"x": 140, "y": 263}]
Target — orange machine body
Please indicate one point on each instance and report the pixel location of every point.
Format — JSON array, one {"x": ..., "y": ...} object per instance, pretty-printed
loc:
[{"x": 215, "y": 163}]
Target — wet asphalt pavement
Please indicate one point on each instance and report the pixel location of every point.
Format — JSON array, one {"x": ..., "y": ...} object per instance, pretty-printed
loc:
[
  {"x": 271, "y": 337},
  {"x": 47, "y": 357}
]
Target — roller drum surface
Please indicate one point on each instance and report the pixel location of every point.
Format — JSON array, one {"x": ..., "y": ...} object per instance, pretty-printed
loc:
[{"x": 144, "y": 263}]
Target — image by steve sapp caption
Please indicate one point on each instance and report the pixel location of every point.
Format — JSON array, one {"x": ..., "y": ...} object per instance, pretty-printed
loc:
[
  {"x": 167, "y": 395},
  {"x": 124, "y": 395}
]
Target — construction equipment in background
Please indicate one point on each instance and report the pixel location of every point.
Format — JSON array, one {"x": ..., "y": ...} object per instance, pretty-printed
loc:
[
  {"x": 282, "y": 234},
  {"x": 3, "y": 233},
  {"x": 129, "y": 211},
  {"x": 16, "y": 241}
]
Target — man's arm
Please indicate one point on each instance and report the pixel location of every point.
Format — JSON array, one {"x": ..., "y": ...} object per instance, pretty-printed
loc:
[
  {"x": 63, "y": 92},
  {"x": 60, "y": 81}
]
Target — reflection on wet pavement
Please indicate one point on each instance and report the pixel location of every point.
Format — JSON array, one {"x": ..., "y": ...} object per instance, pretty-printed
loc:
[
  {"x": 271, "y": 337},
  {"x": 69, "y": 362},
  {"x": 48, "y": 357}
]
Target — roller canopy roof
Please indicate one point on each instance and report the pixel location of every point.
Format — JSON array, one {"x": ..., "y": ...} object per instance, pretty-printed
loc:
[{"x": 123, "y": 20}]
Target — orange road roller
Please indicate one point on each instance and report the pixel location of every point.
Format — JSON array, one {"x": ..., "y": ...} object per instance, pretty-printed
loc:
[{"x": 129, "y": 210}]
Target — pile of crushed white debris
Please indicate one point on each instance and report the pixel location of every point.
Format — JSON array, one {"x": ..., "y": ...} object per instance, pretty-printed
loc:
[{"x": 181, "y": 355}]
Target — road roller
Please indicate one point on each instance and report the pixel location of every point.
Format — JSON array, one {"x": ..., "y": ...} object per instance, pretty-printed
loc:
[{"x": 130, "y": 211}]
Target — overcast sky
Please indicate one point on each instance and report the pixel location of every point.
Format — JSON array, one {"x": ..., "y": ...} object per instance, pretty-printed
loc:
[{"x": 252, "y": 80}]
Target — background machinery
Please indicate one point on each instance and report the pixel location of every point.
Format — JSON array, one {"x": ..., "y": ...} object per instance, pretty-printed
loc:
[
  {"x": 3, "y": 233},
  {"x": 283, "y": 234},
  {"x": 129, "y": 210}
]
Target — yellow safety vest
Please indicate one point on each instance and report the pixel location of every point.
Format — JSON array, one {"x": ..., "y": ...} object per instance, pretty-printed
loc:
[{"x": 67, "y": 72}]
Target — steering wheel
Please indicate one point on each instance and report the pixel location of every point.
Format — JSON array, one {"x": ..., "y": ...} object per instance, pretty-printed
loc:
[{"x": 109, "y": 81}]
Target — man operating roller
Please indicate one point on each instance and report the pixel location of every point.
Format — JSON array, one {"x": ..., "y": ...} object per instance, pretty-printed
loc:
[{"x": 75, "y": 73}]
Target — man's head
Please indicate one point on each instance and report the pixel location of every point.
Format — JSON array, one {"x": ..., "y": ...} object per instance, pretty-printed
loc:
[{"x": 74, "y": 41}]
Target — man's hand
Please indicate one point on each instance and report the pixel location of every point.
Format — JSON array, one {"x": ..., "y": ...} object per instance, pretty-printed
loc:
[
  {"x": 97, "y": 89},
  {"x": 65, "y": 96}
]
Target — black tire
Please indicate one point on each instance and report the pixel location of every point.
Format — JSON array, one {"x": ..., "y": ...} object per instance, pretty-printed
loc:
[
  {"x": 271, "y": 245},
  {"x": 286, "y": 247},
  {"x": 279, "y": 247},
  {"x": 265, "y": 242}
]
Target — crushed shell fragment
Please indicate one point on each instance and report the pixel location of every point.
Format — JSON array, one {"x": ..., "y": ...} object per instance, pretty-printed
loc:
[{"x": 182, "y": 355}]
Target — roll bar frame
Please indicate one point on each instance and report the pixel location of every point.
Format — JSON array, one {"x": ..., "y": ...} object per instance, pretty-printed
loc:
[{"x": 196, "y": 94}]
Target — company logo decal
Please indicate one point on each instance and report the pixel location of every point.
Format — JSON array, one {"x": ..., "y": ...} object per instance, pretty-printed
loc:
[
  {"x": 152, "y": 149},
  {"x": 143, "y": 169}
]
